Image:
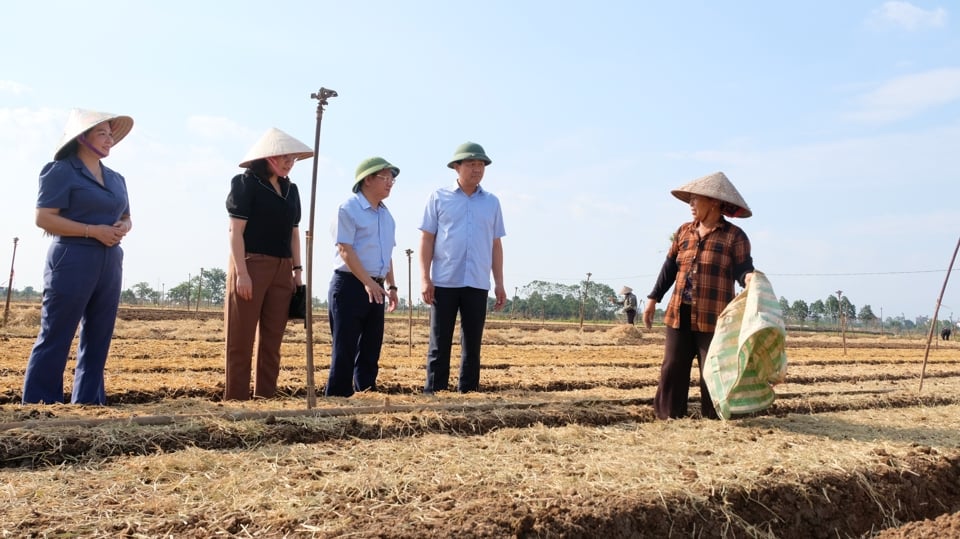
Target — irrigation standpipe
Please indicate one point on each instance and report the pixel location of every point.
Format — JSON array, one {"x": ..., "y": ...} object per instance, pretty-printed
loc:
[{"x": 321, "y": 96}]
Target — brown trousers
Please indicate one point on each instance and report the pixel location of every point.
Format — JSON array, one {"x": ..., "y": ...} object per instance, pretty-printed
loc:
[{"x": 262, "y": 319}]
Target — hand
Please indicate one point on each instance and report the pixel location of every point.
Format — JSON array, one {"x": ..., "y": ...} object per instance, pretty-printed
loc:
[
  {"x": 375, "y": 292},
  {"x": 123, "y": 227},
  {"x": 648, "y": 312},
  {"x": 426, "y": 291},
  {"x": 107, "y": 235},
  {"x": 392, "y": 305},
  {"x": 501, "y": 294},
  {"x": 244, "y": 287}
]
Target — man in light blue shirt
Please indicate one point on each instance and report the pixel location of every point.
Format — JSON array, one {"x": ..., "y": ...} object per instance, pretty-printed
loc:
[
  {"x": 459, "y": 248},
  {"x": 365, "y": 236}
]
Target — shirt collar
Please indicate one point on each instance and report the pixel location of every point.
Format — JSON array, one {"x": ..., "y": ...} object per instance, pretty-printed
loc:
[
  {"x": 456, "y": 187},
  {"x": 364, "y": 203}
]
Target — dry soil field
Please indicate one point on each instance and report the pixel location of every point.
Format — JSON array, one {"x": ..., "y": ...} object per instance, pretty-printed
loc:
[{"x": 561, "y": 442}]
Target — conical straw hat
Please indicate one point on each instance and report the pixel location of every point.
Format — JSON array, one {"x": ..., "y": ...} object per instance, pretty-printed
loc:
[
  {"x": 276, "y": 142},
  {"x": 716, "y": 186},
  {"x": 80, "y": 120},
  {"x": 626, "y": 290}
]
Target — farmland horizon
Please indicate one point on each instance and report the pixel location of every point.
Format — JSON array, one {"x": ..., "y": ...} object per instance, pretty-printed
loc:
[{"x": 844, "y": 146}]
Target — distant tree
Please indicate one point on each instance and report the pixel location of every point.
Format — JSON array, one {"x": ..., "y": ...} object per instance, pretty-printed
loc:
[
  {"x": 785, "y": 308},
  {"x": 800, "y": 311},
  {"x": 849, "y": 309},
  {"x": 832, "y": 305},
  {"x": 180, "y": 294},
  {"x": 818, "y": 310},
  {"x": 143, "y": 292},
  {"x": 28, "y": 293},
  {"x": 215, "y": 285},
  {"x": 866, "y": 314},
  {"x": 128, "y": 297},
  {"x": 535, "y": 305}
]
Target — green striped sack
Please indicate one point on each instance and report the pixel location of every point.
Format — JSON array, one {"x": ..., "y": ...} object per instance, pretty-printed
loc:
[{"x": 746, "y": 357}]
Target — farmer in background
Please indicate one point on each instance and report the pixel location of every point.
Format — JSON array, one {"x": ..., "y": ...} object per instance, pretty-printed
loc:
[
  {"x": 629, "y": 303},
  {"x": 706, "y": 257},
  {"x": 363, "y": 279},
  {"x": 265, "y": 265},
  {"x": 460, "y": 246},
  {"x": 83, "y": 205}
]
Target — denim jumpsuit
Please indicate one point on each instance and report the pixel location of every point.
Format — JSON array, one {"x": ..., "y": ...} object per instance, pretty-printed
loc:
[{"x": 82, "y": 279}]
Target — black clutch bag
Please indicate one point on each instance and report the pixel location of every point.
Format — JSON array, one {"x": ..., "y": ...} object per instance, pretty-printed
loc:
[{"x": 298, "y": 303}]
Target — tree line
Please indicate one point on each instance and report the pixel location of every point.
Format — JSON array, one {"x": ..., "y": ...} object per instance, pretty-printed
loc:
[{"x": 586, "y": 300}]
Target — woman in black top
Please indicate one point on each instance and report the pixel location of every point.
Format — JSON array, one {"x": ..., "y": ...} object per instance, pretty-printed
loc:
[{"x": 265, "y": 264}]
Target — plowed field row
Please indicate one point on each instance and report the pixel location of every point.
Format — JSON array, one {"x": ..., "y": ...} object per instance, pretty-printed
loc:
[{"x": 560, "y": 442}]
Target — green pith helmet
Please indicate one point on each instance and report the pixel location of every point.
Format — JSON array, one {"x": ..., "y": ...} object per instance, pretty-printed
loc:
[
  {"x": 372, "y": 165},
  {"x": 469, "y": 150}
]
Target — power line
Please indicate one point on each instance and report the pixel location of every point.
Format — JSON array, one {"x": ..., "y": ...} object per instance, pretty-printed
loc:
[
  {"x": 853, "y": 274},
  {"x": 841, "y": 274}
]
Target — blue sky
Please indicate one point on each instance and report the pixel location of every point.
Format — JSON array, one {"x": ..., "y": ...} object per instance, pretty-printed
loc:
[{"x": 839, "y": 122}]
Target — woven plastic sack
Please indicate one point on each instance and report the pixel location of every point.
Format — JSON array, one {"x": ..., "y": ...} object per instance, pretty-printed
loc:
[{"x": 746, "y": 357}]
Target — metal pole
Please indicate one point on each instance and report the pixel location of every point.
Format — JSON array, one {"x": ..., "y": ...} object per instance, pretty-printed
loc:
[
  {"x": 841, "y": 320},
  {"x": 410, "y": 302},
  {"x": 583, "y": 298},
  {"x": 936, "y": 310},
  {"x": 199, "y": 289},
  {"x": 6, "y": 307},
  {"x": 322, "y": 95}
]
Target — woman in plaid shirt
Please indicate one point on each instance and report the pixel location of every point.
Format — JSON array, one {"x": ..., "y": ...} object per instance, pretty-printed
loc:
[{"x": 706, "y": 257}]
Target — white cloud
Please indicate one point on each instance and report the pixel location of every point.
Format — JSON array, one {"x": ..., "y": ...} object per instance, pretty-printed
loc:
[
  {"x": 909, "y": 95},
  {"x": 907, "y": 16},
  {"x": 11, "y": 87}
]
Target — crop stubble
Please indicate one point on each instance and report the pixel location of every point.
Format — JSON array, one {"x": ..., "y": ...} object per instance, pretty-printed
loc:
[{"x": 561, "y": 441}]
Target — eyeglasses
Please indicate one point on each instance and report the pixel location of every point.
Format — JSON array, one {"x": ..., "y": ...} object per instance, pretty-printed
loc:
[{"x": 386, "y": 177}]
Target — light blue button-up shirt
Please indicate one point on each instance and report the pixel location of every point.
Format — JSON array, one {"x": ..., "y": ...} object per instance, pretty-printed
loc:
[
  {"x": 464, "y": 228},
  {"x": 370, "y": 231}
]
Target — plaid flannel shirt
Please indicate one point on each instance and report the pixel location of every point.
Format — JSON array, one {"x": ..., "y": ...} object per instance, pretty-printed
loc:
[{"x": 703, "y": 272}]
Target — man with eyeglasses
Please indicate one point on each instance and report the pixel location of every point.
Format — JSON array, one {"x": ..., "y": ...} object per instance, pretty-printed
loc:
[
  {"x": 363, "y": 279},
  {"x": 460, "y": 247}
]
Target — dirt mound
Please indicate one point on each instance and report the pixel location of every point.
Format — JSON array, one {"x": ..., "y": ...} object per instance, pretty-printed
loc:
[
  {"x": 943, "y": 526},
  {"x": 625, "y": 334}
]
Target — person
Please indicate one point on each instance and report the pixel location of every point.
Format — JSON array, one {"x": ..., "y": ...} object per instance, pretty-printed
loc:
[
  {"x": 84, "y": 206},
  {"x": 460, "y": 246},
  {"x": 629, "y": 303},
  {"x": 365, "y": 235},
  {"x": 706, "y": 257},
  {"x": 265, "y": 265}
]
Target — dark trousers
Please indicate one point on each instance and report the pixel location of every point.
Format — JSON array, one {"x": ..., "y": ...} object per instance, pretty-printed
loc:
[
  {"x": 631, "y": 316},
  {"x": 81, "y": 286},
  {"x": 681, "y": 347},
  {"x": 356, "y": 326},
  {"x": 471, "y": 303}
]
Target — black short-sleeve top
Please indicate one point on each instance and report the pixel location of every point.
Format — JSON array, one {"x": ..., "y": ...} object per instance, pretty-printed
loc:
[{"x": 270, "y": 216}]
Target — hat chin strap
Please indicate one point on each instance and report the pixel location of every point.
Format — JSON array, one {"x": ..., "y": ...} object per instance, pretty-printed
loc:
[{"x": 83, "y": 140}]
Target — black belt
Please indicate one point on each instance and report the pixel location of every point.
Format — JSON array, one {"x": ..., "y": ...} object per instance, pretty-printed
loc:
[{"x": 378, "y": 280}]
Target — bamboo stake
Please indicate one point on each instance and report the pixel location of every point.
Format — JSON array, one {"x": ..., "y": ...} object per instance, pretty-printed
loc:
[
  {"x": 936, "y": 310},
  {"x": 6, "y": 306}
]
